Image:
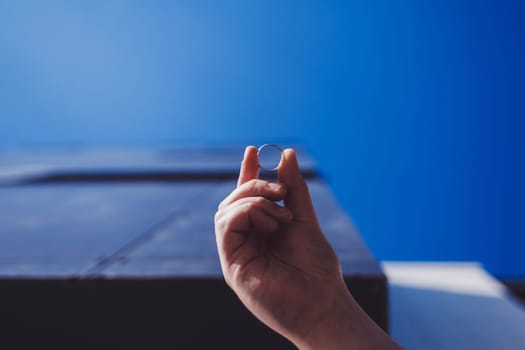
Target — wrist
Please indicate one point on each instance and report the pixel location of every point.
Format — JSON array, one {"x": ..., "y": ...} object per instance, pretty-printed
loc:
[
  {"x": 346, "y": 326},
  {"x": 334, "y": 327}
]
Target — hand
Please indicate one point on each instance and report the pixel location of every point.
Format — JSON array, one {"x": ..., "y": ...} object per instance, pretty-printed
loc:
[{"x": 278, "y": 261}]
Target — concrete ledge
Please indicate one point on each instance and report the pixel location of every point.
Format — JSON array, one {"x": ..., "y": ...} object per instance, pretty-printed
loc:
[
  {"x": 452, "y": 306},
  {"x": 98, "y": 250}
]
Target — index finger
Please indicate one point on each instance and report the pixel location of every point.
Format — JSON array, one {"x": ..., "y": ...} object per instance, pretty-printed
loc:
[{"x": 249, "y": 166}]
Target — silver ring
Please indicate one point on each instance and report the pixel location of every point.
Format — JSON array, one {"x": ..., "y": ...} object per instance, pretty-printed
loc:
[{"x": 266, "y": 145}]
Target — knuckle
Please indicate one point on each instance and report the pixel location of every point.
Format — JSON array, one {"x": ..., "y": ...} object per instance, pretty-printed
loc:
[
  {"x": 217, "y": 216},
  {"x": 251, "y": 207},
  {"x": 256, "y": 185},
  {"x": 252, "y": 185},
  {"x": 221, "y": 222},
  {"x": 259, "y": 201},
  {"x": 257, "y": 204}
]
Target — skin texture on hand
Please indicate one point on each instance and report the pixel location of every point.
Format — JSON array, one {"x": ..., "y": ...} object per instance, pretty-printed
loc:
[{"x": 280, "y": 265}]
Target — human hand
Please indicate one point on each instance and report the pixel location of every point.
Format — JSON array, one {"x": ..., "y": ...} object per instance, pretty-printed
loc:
[{"x": 278, "y": 261}]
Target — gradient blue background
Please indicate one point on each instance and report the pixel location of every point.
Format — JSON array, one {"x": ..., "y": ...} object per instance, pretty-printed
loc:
[{"x": 414, "y": 109}]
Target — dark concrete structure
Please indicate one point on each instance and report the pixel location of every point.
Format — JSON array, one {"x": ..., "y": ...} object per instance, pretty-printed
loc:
[{"x": 114, "y": 249}]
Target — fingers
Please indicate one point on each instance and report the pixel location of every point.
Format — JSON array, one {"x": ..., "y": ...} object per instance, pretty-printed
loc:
[
  {"x": 256, "y": 188},
  {"x": 249, "y": 166},
  {"x": 253, "y": 213},
  {"x": 268, "y": 207},
  {"x": 237, "y": 229},
  {"x": 297, "y": 197}
]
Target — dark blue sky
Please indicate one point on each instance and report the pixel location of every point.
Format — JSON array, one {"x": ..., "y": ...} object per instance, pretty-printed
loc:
[{"x": 414, "y": 109}]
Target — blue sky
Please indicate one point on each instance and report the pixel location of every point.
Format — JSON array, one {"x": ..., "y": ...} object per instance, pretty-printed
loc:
[{"x": 413, "y": 109}]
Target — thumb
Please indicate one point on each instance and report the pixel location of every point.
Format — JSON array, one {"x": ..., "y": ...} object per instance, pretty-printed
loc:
[{"x": 297, "y": 196}]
